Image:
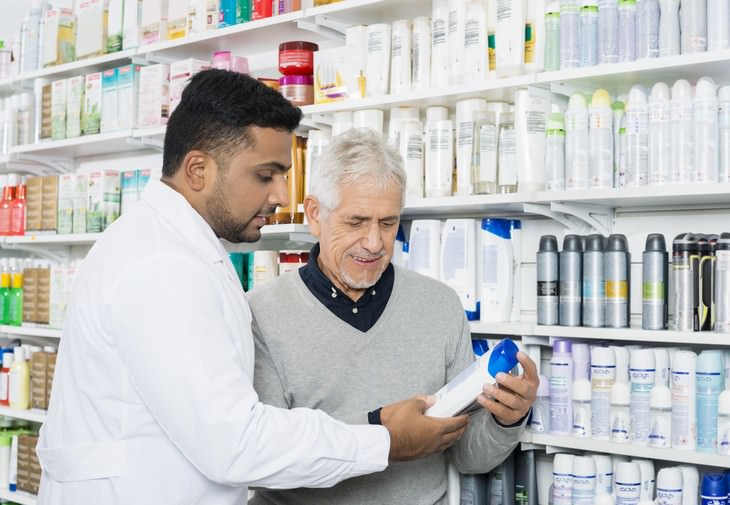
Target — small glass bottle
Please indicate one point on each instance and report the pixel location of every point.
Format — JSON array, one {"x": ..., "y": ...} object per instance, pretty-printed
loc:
[{"x": 17, "y": 211}]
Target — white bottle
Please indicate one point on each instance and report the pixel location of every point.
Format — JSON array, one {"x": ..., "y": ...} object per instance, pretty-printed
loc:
[
  {"x": 569, "y": 34},
  {"x": 476, "y": 59},
  {"x": 660, "y": 135},
  {"x": 723, "y": 423},
  {"x": 507, "y": 154},
  {"x": 540, "y": 420},
  {"x": 690, "y": 484},
  {"x": 421, "y": 54},
  {"x": 535, "y": 47},
  {"x": 684, "y": 418},
  {"x": 603, "y": 376},
  {"x": 600, "y": 137},
  {"x": 377, "y": 63},
  {"x": 510, "y": 37},
  {"x": 622, "y": 362},
  {"x": 495, "y": 270},
  {"x": 561, "y": 382},
  {"x": 628, "y": 483},
  {"x": 484, "y": 160},
  {"x": 368, "y": 118},
  {"x": 424, "y": 245},
  {"x": 265, "y": 267},
  {"x": 718, "y": 25},
  {"x": 647, "y": 29},
  {"x": 682, "y": 132},
  {"x": 646, "y": 467},
  {"x": 5, "y": 376},
  {"x": 584, "y": 480},
  {"x": 660, "y": 417},
  {"x": 465, "y": 112},
  {"x": 342, "y": 121},
  {"x": 607, "y": 31},
  {"x": 642, "y": 370},
  {"x": 588, "y": 33},
  {"x": 724, "y": 133},
  {"x": 620, "y": 412},
  {"x": 317, "y": 140},
  {"x": 710, "y": 384},
  {"x": 515, "y": 232},
  {"x": 706, "y": 131},
  {"x": 637, "y": 138},
  {"x": 619, "y": 137},
  {"x": 669, "y": 34},
  {"x": 693, "y": 26},
  {"x": 457, "y": 21},
  {"x": 661, "y": 358},
  {"x": 669, "y": 486},
  {"x": 400, "y": 57},
  {"x": 581, "y": 361},
  {"x": 458, "y": 263},
  {"x": 576, "y": 143},
  {"x": 440, "y": 44},
  {"x": 562, "y": 490},
  {"x": 439, "y": 158},
  {"x": 581, "y": 409},
  {"x": 626, "y": 30},
  {"x": 412, "y": 150},
  {"x": 531, "y": 113},
  {"x": 604, "y": 474},
  {"x": 555, "y": 152}
]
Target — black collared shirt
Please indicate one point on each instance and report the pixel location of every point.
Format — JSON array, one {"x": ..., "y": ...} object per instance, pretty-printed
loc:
[{"x": 361, "y": 314}]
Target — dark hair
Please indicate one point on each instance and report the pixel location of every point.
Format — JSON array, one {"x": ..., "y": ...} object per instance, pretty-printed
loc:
[{"x": 214, "y": 113}]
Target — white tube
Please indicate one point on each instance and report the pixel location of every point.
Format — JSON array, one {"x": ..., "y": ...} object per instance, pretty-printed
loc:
[
  {"x": 440, "y": 44},
  {"x": 457, "y": 21},
  {"x": 421, "y": 54},
  {"x": 465, "y": 113},
  {"x": 439, "y": 158},
  {"x": 400, "y": 57},
  {"x": 510, "y": 37},
  {"x": 684, "y": 418},
  {"x": 411, "y": 149},
  {"x": 377, "y": 64},
  {"x": 718, "y": 25},
  {"x": 584, "y": 480},
  {"x": 458, "y": 265},
  {"x": 706, "y": 131},
  {"x": 562, "y": 479},
  {"x": 531, "y": 114},
  {"x": 476, "y": 59}
]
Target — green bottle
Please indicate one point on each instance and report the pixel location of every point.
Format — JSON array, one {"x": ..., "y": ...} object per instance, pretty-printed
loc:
[
  {"x": 15, "y": 300},
  {"x": 4, "y": 295}
]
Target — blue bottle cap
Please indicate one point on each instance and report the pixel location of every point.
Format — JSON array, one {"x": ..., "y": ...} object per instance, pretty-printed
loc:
[
  {"x": 727, "y": 480},
  {"x": 714, "y": 485},
  {"x": 479, "y": 346},
  {"x": 503, "y": 358},
  {"x": 496, "y": 226}
]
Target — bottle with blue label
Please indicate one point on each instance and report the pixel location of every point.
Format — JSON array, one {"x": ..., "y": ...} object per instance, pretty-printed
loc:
[{"x": 714, "y": 489}]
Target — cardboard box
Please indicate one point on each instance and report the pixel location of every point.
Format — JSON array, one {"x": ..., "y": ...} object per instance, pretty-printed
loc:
[
  {"x": 109, "y": 107},
  {"x": 59, "y": 96},
  {"x": 92, "y": 104},
  {"x": 127, "y": 82},
  {"x": 39, "y": 380},
  {"x": 143, "y": 177},
  {"x": 33, "y": 203},
  {"x": 153, "y": 21},
  {"x": 129, "y": 190},
  {"x": 339, "y": 72},
  {"x": 153, "y": 98},
  {"x": 81, "y": 183},
  {"x": 59, "y": 40},
  {"x": 115, "y": 25},
  {"x": 91, "y": 26},
  {"x": 104, "y": 198},
  {"x": 47, "y": 112},
  {"x": 30, "y": 294},
  {"x": 180, "y": 73},
  {"x": 131, "y": 27},
  {"x": 49, "y": 203},
  {"x": 43, "y": 306},
  {"x": 177, "y": 19},
  {"x": 74, "y": 105},
  {"x": 28, "y": 480},
  {"x": 50, "y": 371},
  {"x": 66, "y": 194}
]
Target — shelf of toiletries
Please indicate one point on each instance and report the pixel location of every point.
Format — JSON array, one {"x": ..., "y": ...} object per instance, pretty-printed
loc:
[
  {"x": 20, "y": 497},
  {"x": 30, "y": 331},
  {"x": 554, "y": 443},
  {"x": 34, "y": 415}
]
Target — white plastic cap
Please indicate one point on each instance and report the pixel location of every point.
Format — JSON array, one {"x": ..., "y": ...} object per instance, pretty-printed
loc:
[
  {"x": 582, "y": 390},
  {"x": 368, "y": 118},
  {"x": 604, "y": 472},
  {"x": 724, "y": 92},
  {"x": 26, "y": 100},
  {"x": 498, "y": 107},
  {"x": 563, "y": 463},
  {"x": 661, "y": 364},
  {"x": 660, "y": 397},
  {"x": 637, "y": 95},
  {"x": 723, "y": 403},
  {"x": 681, "y": 89},
  {"x": 553, "y": 7},
  {"x": 622, "y": 363},
  {"x": 581, "y": 361},
  {"x": 659, "y": 93},
  {"x": 436, "y": 113},
  {"x": 8, "y": 358},
  {"x": 602, "y": 356},
  {"x": 19, "y": 354},
  {"x": 669, "y": 478},
  {"x": 543, "y": 388},
  {"x": 710, "y": 362},
  {"x": 705, "y": 88},
  {"x": 577, "y": 102},
  {"x": 628, "y": 472},
  {"x": 405, "y": 112},
  {"x": 646, "y": 466},
  {"x": 620, "y": 393},
  {"x": 601, "y": 98},
  {"x": 641, "y": 361},
  {"x": 684, "y": 361},
  {"x": 690, "y": 480},
  {"x": 469, "y": 105},
  {"x": 50, "y": 349},
  {"x": 584, "y": 466}
]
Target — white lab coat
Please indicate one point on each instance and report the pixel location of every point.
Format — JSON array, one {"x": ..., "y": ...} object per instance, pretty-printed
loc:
[{"x": 153, "y": 399}]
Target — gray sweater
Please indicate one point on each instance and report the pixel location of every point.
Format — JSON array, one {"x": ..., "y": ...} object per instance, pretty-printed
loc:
[{"x": 308, "y": 357}]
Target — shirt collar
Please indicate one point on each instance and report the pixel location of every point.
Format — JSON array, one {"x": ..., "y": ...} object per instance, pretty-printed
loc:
[{"x": 180, "y": 215}]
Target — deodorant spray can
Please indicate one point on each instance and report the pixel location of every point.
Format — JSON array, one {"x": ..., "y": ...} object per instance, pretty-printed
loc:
[
  {"x": 706, "y": 309},
  {"x": 547, "y": 281},
  {"x": 654, "y": 293},
  {"x": 722, "y": 284},
  {"x": 594, "y": 295},
  {"x": 685, "y": 272},
  {"x": 616, "y": 270},
  {"x": 571, "y": 278}
]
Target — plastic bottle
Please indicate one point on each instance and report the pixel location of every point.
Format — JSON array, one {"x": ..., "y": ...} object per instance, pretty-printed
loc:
[
  {"x": 710, "y": 383},
  {"x": 684, "y": 419},
  {"x": 440, "y": 44},
  {"x": 660, "y": 134},
  {"x": 5, "y": 281},
  {"x": 723, "y": 423},
  {"x": 617, "y": 262},
  {"x": 15, "y": 300},
  {"x": 714, "y": 489},
  {"x": 641, "y": 372},
  {"x": 628, "y": 483},
  {"x": 510, "y": 50},
  {"x": 718, "y": 25},
  {"x": 620, "y": 412},
  {"x": 594, "y": 294},
  {"x": 604, "y": 473},
  {"x": 17, "y": 211},
  {"x": 588, "y": 21},
  {"x": 465, "y": 112},
  {"x": 619, "y": 139},
  {"x": 555, "y": 153},
  {"x": 7, "y": 362},
  {"x": 654, "y": 289},
  {"x": 535, "y": 36},
  {"x": 627, "y": 30},
  {"x": 456, "y": 25},
  {"x": 669, "y": 486},
  {"x": 722, "y": 289},
  {"x": 561, "y": 382},
  {"x": 425, "y": 247},
  {"x": 581, "y": 409},
  {"x": 693, "y": 26},
  {"x": 19, "y": 381},
  {"x": 660, "y": 417},
  {"x": 600, "y": 136},
  {"x": 622, "y": 362},
  {"x": 570, "y": 270},
  {"x": 476, "y": 59},
  {"x": 540, "y": 420},
  {"x": 706, "y": 131},
  {"x": 647, "y": 27},
  {"x": 569, "y": 34},
  {"x": 552, "y": 37},
  {"x": 584, "y": 480},
  {"x": 515, "y": 231},
  {"x": 507, "y": 154},
  {"x": 706, "y": 304},
  {"x": 685, "y": 271},
  {"x": 646, "y": 467},
  {"x": 576, "y": 143},
  {"x": 562, "y": 489},
  {"x": 458, "y": 268},
  {"x": 581, "y": 361},
  {"x": 603, "y": 376},
  {"x": 637, "y": 138},
  {"x": 495, "y": 260},
  {"x": 724, "y": 133},
  {"x": 531, "y": 112},
  {"x": 607, "y": 31},
  {"x": 547, "y": 281},
  {"x": 484, "y": 156},
  {"x": 669, "y": 34},
  {"x": 661, "y": 358},
  {"x": 690, "y": 484},
  {"x": 439, "y": 158},
  {"x": 400, "y": 57},
  {"x": 682, "y": 132}
]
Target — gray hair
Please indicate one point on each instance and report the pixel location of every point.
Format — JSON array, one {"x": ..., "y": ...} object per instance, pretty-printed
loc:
[{"x": 357, "y": 155}]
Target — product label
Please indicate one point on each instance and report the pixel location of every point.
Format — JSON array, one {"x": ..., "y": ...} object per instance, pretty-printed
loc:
[
  {"x": 396, "y": 46},
  {"x": 507, "y": 157},
  {"x": 581, "y": 423},
  {"x": 492, "y": 48},
  {"x": 668, "y": 496},
  {"x": 471, "y": 33},
  {"x": 375, "y": 41},
  {"x": 547, "y": 288},
  {"x": 602, "y": 378},
  {"x": 438, "y": 32},
  {"x": 529, "y": 43},
  {"x": 414, "y": 148},
  {"x": 488, "y": 153},
  {"x": 652, "y": 292},
  {"x": 617, "y": 289},
  {"x": 583, "y": 489},
  {"x": 642, "y": 382}
]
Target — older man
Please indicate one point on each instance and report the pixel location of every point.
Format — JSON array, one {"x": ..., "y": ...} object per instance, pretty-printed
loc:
[{"x": 351, "y": 332}]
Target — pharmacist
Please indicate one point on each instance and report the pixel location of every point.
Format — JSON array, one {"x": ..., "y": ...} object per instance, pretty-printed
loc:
[
  {"x": 358, "y": 332},
  {"x": 153, "y": 399}
]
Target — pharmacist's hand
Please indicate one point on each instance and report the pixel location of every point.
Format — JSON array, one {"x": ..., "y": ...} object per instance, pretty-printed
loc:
[
  {"x": 511, "y": 401},
  {"x": 414, "y": 435}
]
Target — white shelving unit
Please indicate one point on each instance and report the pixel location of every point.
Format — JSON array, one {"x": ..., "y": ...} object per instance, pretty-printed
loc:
[
  {"x": 18, "y": 497},
  {"x": 30, "y": 331},
  {"x": 35, "y": 415}
]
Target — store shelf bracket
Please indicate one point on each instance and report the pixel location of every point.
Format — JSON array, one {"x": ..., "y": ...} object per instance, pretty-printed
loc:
[
  {"x": 580, "y": 218},
  {"x": 31, "y": 162},
  {"x": 326, "y": 26},
  {"x": 53, "y": 255},
  {"x": 151, "y": 59},
  {"x": 149, "y": 142}
]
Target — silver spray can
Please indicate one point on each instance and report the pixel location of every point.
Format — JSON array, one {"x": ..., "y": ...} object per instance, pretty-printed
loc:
[
  {"x": 571, "y": 278},
  {"x": 685, "y": 270},
  {"x": 547, "y": 281},
  {"x": 616, "y": 264},
  {"x": 706, "y": 305},
  {"x": 654, "y": 292},
  {"x": 594, "y": 294},
  {"x": 722, "y": 284}
]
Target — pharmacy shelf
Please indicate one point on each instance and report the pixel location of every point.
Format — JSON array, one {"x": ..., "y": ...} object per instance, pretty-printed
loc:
[
  {"x": 708, "y": 338},
  {"x": 85, "y": 145},
  {"x": 34, "y": 415},
  {"x": 80, "y": 67},
  {"x": 20, "y": 497},
  {"x": 459, "y": 206},
  {"x": 554, "y": 443},
  {"x": 517, "y": 329},
  {"x": 52, "y": 239},
  {"x": 366, "y": 12},
  {"x": 30, "y": 331}
]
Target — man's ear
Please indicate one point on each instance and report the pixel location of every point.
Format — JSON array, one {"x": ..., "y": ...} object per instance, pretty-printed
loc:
[
  {"x": 313, "y": 212},
  {"x": 197, "y": 170}
]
